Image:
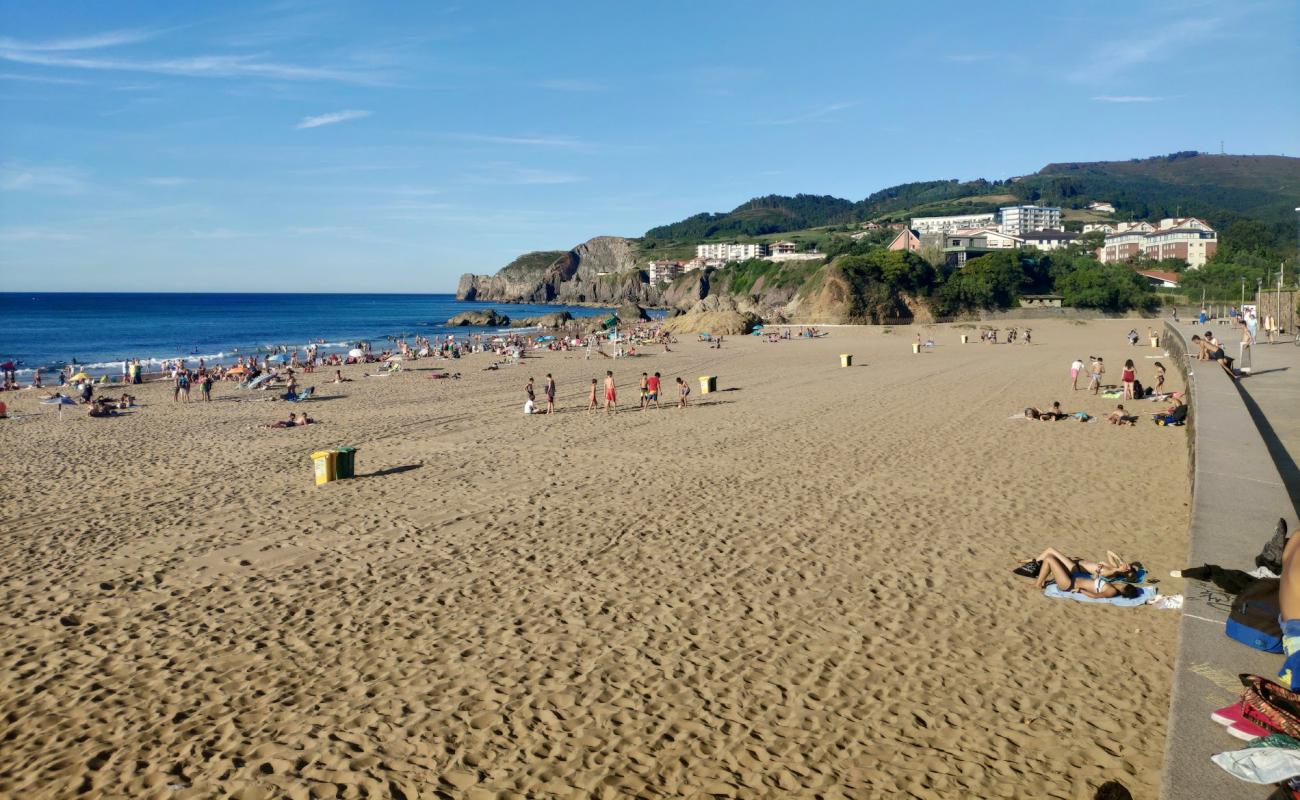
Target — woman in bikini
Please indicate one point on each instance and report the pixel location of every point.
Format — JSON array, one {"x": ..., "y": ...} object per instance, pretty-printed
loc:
[{"x": 1100, "y": 579}]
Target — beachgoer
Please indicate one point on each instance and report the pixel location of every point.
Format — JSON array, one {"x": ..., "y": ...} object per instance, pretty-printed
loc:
[
  {"x": 1289, "y": 600},
  {"x": 549, "y": 389},
  {"x": 1076, "y": 367},
  {"x": 1121, "y": 417},
  {"x": 206, "y": 388},
  {"x": 1095, "y": 370},
  {"x": 1133, "y": 337},
  {"x": 1109, "y": 578},
  {"x": 611, "y": 394},
  {"x": 1127, "y": 377},
  {"x": 645, "y": 391},
  {"x": 1160, "y": 377},
  {"x": 591, "y": 401},
  {"x": 1243, "y": 349},
  {"x": 530, "y": 393},
  {"x": 652, "y": 391},
  {"x": 290, "y": 423},
  {"x": 683, "y": 393},
  {"x": 1213, "y": 352}
]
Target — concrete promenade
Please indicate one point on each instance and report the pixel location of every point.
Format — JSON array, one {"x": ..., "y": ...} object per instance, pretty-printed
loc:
[{"x": 1244, "y": 438}]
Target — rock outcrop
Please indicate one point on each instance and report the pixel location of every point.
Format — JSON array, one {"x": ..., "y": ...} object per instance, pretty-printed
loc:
[
  {"x": 487, "y": 318},
  {"x": 551, "y": 321},
  {"x": 600, "y": 271},
  {"x": 716, "y": 315},
  {"x": 631, "y": 312}
]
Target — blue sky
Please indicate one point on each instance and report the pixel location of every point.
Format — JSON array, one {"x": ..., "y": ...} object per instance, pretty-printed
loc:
[{"x": 295, "y": 146}]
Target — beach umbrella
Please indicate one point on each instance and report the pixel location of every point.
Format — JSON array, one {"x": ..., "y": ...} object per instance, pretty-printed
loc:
[
  {"x": 279, "y": 359},
  {"x": 61, "y": 400},
  {"x": 80, "y": 376},
  {"x": 356, "y": 352},
  {"x": 237, "y": 370}
]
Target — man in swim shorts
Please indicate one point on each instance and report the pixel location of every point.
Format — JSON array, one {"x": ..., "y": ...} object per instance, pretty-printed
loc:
[
  {"x": 645, "y": 391},
  {"x": 611, "y": 395},
  {"x": 652, "y": 390},
  {"x": 1096, "y": 370}
]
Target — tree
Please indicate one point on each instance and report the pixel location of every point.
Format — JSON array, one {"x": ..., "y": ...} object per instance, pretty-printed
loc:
[
  {"x": 990, "y": 281},
  {"x": 1109, "y": 287}
]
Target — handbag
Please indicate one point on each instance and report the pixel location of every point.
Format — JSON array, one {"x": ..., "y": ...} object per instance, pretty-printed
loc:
[
  {"x": 1029, "y": 569},
  {"x": 1271, "y": 705}
]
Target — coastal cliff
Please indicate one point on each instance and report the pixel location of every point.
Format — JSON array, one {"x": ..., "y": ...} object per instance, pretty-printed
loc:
[{"x": 600, "y": 271}]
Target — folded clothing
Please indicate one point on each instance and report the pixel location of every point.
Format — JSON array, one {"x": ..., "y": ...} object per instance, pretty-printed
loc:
[
  {"x": 1260, "y": 764},
  {"x": 1145, "y": 594}
]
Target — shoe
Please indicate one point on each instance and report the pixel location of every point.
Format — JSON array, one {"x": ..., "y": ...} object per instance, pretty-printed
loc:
[{"x": 1247, "y": 731}]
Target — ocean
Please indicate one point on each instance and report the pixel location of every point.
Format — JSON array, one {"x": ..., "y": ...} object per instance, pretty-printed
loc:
[{"x": 99, "y": 330}]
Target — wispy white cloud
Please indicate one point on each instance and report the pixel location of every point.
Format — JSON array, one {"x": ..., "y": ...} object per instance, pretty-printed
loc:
[
  {"x": 25, "y": 234},
  {"x": 167, "y": 180},
  {"x": 1127, "y": 98},
  {"x": 500, "y": 172},
  {"x": 572, "y": 85},
  {"x": 1154, "y": 43},
  {"x": 67, "y": 53},
  {"x": 527, "y": 141},
  {"x": 16, "y": 177},
  {"x": 14, "y": 76},
  {"x": 816, "y": 113},
  {"x": 218, "y": 233},
  {"x": 332, "y": 118},
  {"x": 93, "y": 42}
]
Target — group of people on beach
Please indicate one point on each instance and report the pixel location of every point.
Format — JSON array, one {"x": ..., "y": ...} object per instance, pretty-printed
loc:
[{"x": 650, "y": 389}]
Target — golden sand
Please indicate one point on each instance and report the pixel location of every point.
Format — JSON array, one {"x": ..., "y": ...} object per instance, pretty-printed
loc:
[{"x": 799, "y": 587}]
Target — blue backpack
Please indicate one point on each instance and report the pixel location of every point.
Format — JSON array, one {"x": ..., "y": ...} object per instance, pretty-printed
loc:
[{"x": 1255, "y": 615}]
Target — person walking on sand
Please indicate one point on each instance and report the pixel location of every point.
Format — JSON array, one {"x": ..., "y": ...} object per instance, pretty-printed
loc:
[
  {"x": 1075, "y": 368},
  {"x": 1127, "y": 377},
  {"x": 645, "y": 391},
  {"x": 206, "y": 387},
  {"x": 652, "y": 391},
  {"x": 550, "y": 394},
  {"x": 611, "y": 394},
  {"x": 1096, "y": 370},
  {"x": 683, "y": 392},
  {"x": 591, "y": 401}
]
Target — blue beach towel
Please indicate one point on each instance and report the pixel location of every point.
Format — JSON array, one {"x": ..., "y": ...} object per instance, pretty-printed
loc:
[{"x": 1148, "y": 592}]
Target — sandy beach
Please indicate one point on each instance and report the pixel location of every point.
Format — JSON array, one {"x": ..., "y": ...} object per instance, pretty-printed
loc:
[{"x": 798, "y": 587}]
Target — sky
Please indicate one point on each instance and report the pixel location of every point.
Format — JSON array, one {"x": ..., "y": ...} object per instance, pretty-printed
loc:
[{"x": 322, "y": 146}]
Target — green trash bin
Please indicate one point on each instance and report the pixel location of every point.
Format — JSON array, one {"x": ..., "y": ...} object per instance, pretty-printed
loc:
[{"x": 346, "y": 462}]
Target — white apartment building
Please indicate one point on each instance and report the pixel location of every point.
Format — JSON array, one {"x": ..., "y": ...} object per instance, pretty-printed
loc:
[
  {"x": 781, "y": 248},
  {"x": 1016, "y": 220},
  {"x": 664, "y": 271},
  {"x": 946, "y": 225},
  {"x": 730, "y": 252}
]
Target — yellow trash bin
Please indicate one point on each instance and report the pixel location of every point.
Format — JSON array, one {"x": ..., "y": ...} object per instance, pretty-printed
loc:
[
  {"x": 324, "y": 462},
  {"x": 846, "y": 359},
  {"x": 708, "y": 383},
  {"x": 916, "y": 348},
  {"x": 963, "y": 338},
  {"x": 1155, "y": 341}
]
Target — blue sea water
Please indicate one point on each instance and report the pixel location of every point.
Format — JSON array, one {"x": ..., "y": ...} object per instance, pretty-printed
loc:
[{"x": 98, "y": 330}]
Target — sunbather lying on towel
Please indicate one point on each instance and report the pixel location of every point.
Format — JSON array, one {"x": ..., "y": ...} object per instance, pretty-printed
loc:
[
  {"x": 1121, "y": 417},
  {"x": 1062, "y": 572}
]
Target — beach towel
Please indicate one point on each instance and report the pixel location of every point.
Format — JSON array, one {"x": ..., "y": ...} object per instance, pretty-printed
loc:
[{"x": 1146, "y": 594}]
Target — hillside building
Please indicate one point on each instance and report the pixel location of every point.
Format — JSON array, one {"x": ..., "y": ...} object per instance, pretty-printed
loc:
[
  {"x": 1017, "y": 220},
  {"x": 1102, "y": 207},
  {"x": 907, "y": 239},
  {"x": 664, "y": 271},
  {"x": 1186, "y": 238},
  {"x": 781, "y": 248},
  {"x": 964, "y": 245},
  {"x": 1048, "y": 240},
  {"x": 946, "y": 225},
  {"x": 730, "y": 252}
]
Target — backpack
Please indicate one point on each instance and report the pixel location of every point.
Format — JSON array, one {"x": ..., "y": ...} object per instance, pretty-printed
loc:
[{"x": 1253, "y": 620}]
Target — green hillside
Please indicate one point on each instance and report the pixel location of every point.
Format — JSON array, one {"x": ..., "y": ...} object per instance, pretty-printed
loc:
[{"x": 1222, "y": 189}]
